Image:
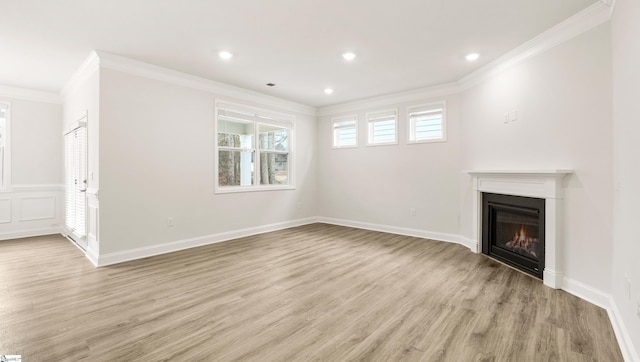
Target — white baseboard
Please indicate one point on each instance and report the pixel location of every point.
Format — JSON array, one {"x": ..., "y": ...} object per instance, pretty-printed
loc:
[
  {"x": 144, "y": 252},
  {"x": 553, "y": 278},
  {"x": 93, "y": 256},
  {"x": 30, "y": 233},
  {"x": 452, "y": 238},
  {"x": 605, "y": 301},
  {"x": 627, "y": 348},
  {"x": 470, "y": 243},
  {"x": 586, "y": 292}
]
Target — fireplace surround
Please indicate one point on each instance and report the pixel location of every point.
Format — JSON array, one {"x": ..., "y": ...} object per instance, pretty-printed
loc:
[{"x": 543, "y": 184}]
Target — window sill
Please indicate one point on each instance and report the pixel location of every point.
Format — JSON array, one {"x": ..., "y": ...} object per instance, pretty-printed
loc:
[
  {"x": 237, "y": 189},
  {"x": 427, "y": 141}
]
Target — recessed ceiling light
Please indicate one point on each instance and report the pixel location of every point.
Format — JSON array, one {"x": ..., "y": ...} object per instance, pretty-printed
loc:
[
  {"x": 271, "y": 84},
  {"x": 328, "y": 90},
  {"x": 225, "y": 55},
  {"x": 473, "y": 56},
  {"x": 349, "y": 56}
]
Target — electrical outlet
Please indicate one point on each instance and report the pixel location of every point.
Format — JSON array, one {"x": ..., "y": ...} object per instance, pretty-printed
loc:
[
  {"x": 628, "y": 281},
  {"x": 638, "y": 310},
  {"x": 170, "y": 221},
  {"x": 413, "y": 212}
]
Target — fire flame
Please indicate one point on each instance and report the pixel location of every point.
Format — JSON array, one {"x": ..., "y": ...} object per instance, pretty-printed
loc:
[
  {"x": 522, "y": 236},
  {"x": 523, "y": 244}
]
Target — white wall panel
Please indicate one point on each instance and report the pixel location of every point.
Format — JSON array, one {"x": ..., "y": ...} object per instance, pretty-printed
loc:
[
  {"x": 5, "y": 211},
  {"x": 37, "y": 208},
  {"x": 31, "y": 210}
]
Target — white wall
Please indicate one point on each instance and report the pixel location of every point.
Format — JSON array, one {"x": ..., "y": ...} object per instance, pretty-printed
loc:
[
  {"x": 157, "y": 160},
  {"x": 563, "y": 102},
  {"x": 626, "y": 125},
  {"x": 378, "y": 185},
  {"x": 36, "y": 146},
  {"x": 33, "y": 204}
]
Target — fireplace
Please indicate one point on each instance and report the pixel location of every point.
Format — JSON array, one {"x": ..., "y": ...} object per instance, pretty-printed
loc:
[
  {"x": 513, "y": 231},
  {"x": 542, "y": 184}
]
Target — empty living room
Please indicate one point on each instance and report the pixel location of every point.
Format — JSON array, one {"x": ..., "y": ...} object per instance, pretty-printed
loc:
[{"x": 319, "y": 180}]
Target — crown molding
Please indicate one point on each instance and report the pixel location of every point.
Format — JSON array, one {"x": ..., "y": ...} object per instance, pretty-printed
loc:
[
  {"x": 139, "y": 68},
  {"x": 581, "y": 22},
  {"x": 86, "y": 69},
  {"x": 419, "y": 94},
  {"x": 587, "y": 19},
  {"x": 29, "y": 94},
  {"x": 611, "y": 4}
]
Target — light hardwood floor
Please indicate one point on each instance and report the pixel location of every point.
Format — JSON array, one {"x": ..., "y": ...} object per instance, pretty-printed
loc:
[{"x": 316, "y": 292}]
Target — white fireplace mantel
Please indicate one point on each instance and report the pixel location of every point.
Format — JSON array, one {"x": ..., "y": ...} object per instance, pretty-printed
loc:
[{"x": 544, "y": 184}]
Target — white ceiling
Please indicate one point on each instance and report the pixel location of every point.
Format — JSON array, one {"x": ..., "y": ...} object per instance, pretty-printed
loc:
[{"x": 297, "y": 44}]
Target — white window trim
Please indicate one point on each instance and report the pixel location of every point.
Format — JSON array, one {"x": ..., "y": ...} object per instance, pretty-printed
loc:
[
  {"x": 369, "y": 115},
  {"x": 264, "y": 117},
  {"x": 351, "y": 117},
  {"x": 443, "y": 104},
  {"x": 5, "y": 182}
]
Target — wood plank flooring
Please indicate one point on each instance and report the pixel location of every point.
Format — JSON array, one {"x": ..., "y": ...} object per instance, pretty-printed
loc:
[{"x": 312, "y": 293}]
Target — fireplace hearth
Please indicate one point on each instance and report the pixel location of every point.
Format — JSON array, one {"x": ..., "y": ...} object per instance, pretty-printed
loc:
[{"x": 513, "y": 231}]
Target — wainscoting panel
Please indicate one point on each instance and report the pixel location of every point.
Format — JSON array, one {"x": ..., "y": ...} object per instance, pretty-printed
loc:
[
  {"x": 31, "y": 210},
  {"x": 5, "y": 211},
  {"x": 38, "y": 208}
]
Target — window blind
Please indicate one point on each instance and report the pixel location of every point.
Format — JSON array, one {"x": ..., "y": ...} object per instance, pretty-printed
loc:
[
  {"x": 426, "y": 123},
  {"x": 382, "y": 127},
  {"x": 76, "y": 181},
  {"x": 345, "y": 131}
]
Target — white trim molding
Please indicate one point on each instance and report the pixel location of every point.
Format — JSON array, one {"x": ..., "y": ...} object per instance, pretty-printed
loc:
[
  {"x": 580, "y": 23},
  {"x": 544, "y": 184},
  {"x": 30, "y": 233},
  {"x": 424, "y": 234},
  {"x": 151, "y": 71},
  {"x": 31, "y": 210},
  {"x": 627, "y": 348},
  {"x": 38, "y": 187},
  {"x": 415, "y": 95},
  {"x": 29, "y": 94},
  {"x": 158, "y": 249},
  {"x": 90, "y": 66}
]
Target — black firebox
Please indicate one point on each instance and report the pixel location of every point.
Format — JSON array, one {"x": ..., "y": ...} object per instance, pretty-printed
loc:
[{"x": 513, "y": 231}]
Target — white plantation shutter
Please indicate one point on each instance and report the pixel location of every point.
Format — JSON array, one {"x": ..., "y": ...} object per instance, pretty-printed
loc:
[
  {"x": 345, "y": 131},
  {"x": 76, "y": 181},
  {"x": 382, "y": 127},
  {"x": 427, "y": 123}
]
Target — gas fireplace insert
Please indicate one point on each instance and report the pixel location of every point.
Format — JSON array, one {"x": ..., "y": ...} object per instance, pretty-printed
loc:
[{"x": 513, "y": 231}]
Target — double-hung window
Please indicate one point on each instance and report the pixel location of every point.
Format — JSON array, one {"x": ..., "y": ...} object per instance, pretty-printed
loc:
[
  {"x": 254, "y": 149},
  {"x": 382, "y": 127},
  {"x": 5, "y": 157},
  {"x": 345, "y": 131},
  {"x": 427, "y": 123}
]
